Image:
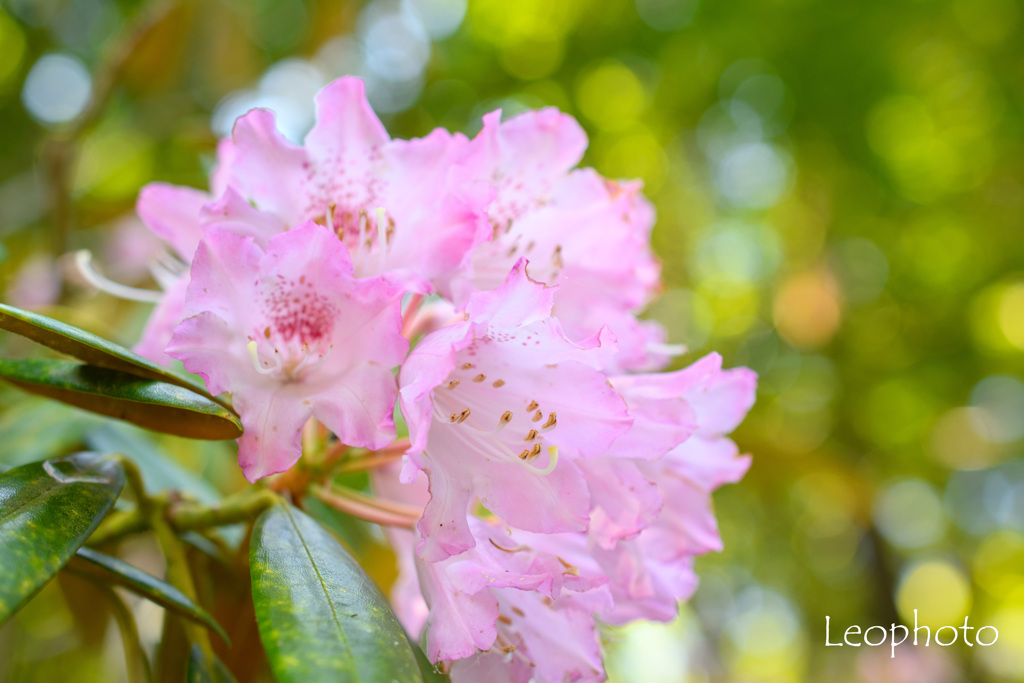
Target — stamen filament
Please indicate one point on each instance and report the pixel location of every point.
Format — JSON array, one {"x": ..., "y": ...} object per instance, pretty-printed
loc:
[
  {"x": 256, "y": 364},
  {"x": 552, "y": 461},
  {"x": 370, "y": 509},
  {"x": 382, "y": 241},
  {"x": 83, "y": 262}
]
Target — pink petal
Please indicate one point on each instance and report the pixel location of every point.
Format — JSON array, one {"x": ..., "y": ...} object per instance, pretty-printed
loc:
[
  {"x": 267, "y": 169},
  {"x": 623, "y": 501},
  {"x": 518, "y": 301},
  {"x": 233, "y": 213},
  {"x": 273, "y": 421},
  {"x": 167, "y": 314},
  {"x": 172, "y": 212},
  {"x": 346, "y": 130}
]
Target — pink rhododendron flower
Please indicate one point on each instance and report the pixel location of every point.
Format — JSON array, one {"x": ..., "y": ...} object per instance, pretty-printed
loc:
[
  {"x": 587, "y": 234},
  {"x": 347, "y": 168},
  {"x": 546, "y": 485},
  {"x": 291, "y": 333},
  {"x": 499, "y": 406}
]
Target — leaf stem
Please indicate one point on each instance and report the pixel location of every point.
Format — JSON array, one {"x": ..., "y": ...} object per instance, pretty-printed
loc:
[
  {"x": 180, "y": 576},
  {"x": 240, "y": 507},
  {"x": 137, "y": 665},
  {"x": 118, "y": 525}
]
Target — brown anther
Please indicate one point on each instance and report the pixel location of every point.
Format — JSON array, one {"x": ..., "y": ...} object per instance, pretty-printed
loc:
[
  {"x": 533, "y": 405},
  {"x": 531, "y": 435},
  {"x": 467, "y": 366},
  {"x": 463, "y": 416},
  {"x": 535, "y": 451},
  {"x": 454, "y": 383},
  {"x": 508, "y": 550},
  {"x": 518, "y": 612},
  {"x": 498, "y": 383},
  {"x": 480, "y": 378},
  {"x": 552, "y": 420},
  {"x": 506, "y": 417},
  {"x": 505, "y": 649},
  {"x": 266, "y": 333},
  {"x": 570, "y": 569},
  {"x": 525, "y": 454},
  {"x": 505, "y": 620},
  {"x": 453, "y": 417},
  {"x": 536, "y": 416}
]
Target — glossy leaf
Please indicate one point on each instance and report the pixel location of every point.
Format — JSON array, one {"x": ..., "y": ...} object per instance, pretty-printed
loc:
[
  {"x": 88, "y": 347},
  {"x": 320, "y": 617},
  {"x": 157, "y": 406},
  {"x": 103, "y": 567},
  {"x": 47, "y": 510}
]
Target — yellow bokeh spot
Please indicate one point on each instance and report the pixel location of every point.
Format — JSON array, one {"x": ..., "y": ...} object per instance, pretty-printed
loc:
[
  {"x": 549, "y": 92},
  {"x": 997, "y": 317},
  {"x": 12, "y": 49},
  {"x": 1011, "y": 314},
  {"x": 611, "y": 96},
  {"x": 806, "y": 309},
  {"x": 114, "y": 163},
  {"x": 957, "y": 443},
  {"x": 503, "y": 23},
  {"x": 931, "y": 149},
  {"x": 735, "y": 308},
  {"x": 1006, "y": 657},
  {"x": 533, "y": 57},
  {"x": 938, "y": 591},
  {"x": 999, "y": 563},
  {"x": 637, "y": 154}
]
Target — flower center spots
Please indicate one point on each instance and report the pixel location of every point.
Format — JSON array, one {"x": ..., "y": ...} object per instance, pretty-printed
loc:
[
  {"x": 498, "y": 424},
  {"x": 298, "y": 313}
]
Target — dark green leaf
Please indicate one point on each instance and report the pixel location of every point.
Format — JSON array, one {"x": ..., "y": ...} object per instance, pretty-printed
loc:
[
  {"x": 200, "y": 671},
  {"x": 88, "y": 347},
  {"x": 320, "y": 617},
  {"x": 112, "y": 570},
  {"x": 47, "y": 510},
  {"x": 158, "y": 406}
]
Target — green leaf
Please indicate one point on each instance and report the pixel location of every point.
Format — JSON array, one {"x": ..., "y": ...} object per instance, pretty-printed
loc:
[
  {"x": 109, "y": 569},
  {"x": 320, "y": 617},
  {"x": 200, "y": 671},
  {"x": 427, "y": 670},
  {"x": 88, "y": 347},
  {"x": 157, "y": 406},
  {"x": 47, "y": 510}
]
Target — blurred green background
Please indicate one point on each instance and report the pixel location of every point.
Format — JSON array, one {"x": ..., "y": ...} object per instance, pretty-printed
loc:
[{"x": 840, "y": 191}]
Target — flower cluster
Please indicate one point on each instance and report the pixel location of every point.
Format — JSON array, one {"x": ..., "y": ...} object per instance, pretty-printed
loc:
[{"x": 562, "y": 480}]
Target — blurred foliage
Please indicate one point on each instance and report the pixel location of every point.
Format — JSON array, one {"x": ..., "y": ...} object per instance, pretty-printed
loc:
[{"x": 840, "y": 189}]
